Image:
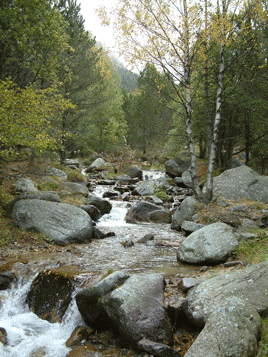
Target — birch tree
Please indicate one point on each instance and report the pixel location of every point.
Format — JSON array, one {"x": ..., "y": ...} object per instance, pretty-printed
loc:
[{"x": 162, "y": 32}]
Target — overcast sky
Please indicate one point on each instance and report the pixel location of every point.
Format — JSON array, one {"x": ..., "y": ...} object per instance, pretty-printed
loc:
[{"x": 103, "y": 34}]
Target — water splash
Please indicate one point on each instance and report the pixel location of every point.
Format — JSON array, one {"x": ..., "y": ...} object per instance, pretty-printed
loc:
[{"x": 26, "y": 332}]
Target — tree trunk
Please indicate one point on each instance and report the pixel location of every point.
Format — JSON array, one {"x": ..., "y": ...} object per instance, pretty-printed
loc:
[
  {"x": 212, "y": 155},
  {"x": 62, "y": 150},
  {"x": 208, "y": 120},
  {"x": 188, "y": 103}
]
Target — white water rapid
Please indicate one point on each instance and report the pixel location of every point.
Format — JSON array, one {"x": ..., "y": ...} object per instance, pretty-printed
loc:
[
  {"x": 30, "y": 336},
  {"x": 27, "y": 333}
]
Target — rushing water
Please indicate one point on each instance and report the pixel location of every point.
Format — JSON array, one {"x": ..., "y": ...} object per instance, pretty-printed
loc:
[{"x": 28, "y": 335}]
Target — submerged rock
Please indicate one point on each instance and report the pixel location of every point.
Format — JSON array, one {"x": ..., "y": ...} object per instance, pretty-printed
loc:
[
  {"x": 148, "y": 212},
  {"x": 50, "y": 295}
]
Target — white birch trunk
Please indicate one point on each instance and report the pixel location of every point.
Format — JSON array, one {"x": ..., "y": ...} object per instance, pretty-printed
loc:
[
  {"x": 212, "y": 154},
  {"x": 188, "y": 103}
]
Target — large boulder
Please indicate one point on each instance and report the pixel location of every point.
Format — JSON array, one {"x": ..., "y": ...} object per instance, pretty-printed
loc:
[
  {"x": 233, "y": 329},
  {"x": 98, "y": 164},
  {"x": 39, "y": 195},
  {"x": 103, "y": 206},
  {"x": 211, "y": 244},
  {"x": 77, "y": 188},
  {"x": 61, "y": 222},
  {"x": 136, "y": 309},
  {"x": 135, "y": 171},
  {"x": 50, "y": 295},
  {"x": 149, "y": 187},
  {"x": 176, "y": 167},
  {"x": 148, "y": 212},
  {"x": 241, "y": 182},
  {"x": 184, "y": 212},
  {"x": 88, "y": 300},
  {"x": 249, "y": 285},
  {"x": 229, "y": 306}
]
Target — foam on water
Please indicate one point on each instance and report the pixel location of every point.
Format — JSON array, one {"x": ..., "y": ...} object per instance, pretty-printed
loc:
[{"x": 26, "y": 332}]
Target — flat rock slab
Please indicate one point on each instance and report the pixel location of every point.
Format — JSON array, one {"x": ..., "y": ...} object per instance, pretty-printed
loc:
[
  {"x": 249, "y": 284},
  {"x": 229, "y": 306},
  {"x": 61, "y": 222}
]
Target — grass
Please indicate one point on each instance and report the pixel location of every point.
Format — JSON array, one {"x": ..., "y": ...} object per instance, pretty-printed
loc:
[
  {"x": 254, "y": 250},
  {"x": 263, "y": 346}
]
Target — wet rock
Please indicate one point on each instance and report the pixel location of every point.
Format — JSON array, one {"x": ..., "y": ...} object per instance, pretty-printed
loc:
[
  {"x": 61, "y": 222},
  {"x": 188, "y": 283},
  {"x": 136, "y": 309},
  {"x": 88, "y": 300},
  {"x": 50, "y": 295},
  {"x": 77, "y": 188},
  {"x": 145, "y": 212},
  {"x": 157, "y": 349},
  {"x": 160, "y": 216},
  {"x": 3, "y": 336},
  {"x": 127, "y": 243},
  {"x": 97, "y": 165},
  {"x": 126, "y": 179},
  {"x": 79, "y": 334},
  {"x": 84, "y": 351},
  {"x": 210, "y": 244},
  {"x": 40, "y": 352},
  {"x": 6, "y": 280},
  {"x": 184, "y": 212},
  {"x": 103, "y": 206},
  {"x": 110, "y": 194},
  {"x": 149, "y": 187},
  {"x": 107, "y": 182},
  {"x": 135, "y": 171},
  {"x": 146, "y": 238},
  {"x": 93, "y": 211}
]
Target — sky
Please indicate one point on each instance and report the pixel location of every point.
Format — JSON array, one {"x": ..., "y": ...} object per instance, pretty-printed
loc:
[{"x": 103, "y": 34}]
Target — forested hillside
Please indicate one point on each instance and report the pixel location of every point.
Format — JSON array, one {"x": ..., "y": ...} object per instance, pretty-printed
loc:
[{"x": 203, "y": 82}]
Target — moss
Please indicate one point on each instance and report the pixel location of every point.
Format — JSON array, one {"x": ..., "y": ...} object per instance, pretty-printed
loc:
[
  {"x": 76, "y": 176},
  {"x": 162, "y": 195}
]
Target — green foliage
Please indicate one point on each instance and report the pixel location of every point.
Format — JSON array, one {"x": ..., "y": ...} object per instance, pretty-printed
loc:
[
  {"x": 147, "y": 111},
  {"x": 76, "y": 176},
  {"x": 25, "y": 119},
  {"x": 160, "y": 193},
  {"x": 255, "y": 249},
  {"x": 49, "y": 186},
  {"x": 263, "y": 345},
  {"x": 32, "y": 42}
]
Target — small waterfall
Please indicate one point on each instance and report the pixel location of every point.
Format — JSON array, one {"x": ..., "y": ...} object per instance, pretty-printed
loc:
[{"x": 26, "y": 332}]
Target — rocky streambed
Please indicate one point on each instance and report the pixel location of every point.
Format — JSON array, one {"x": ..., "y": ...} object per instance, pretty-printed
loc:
[{"x": 146, "y": 254}]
